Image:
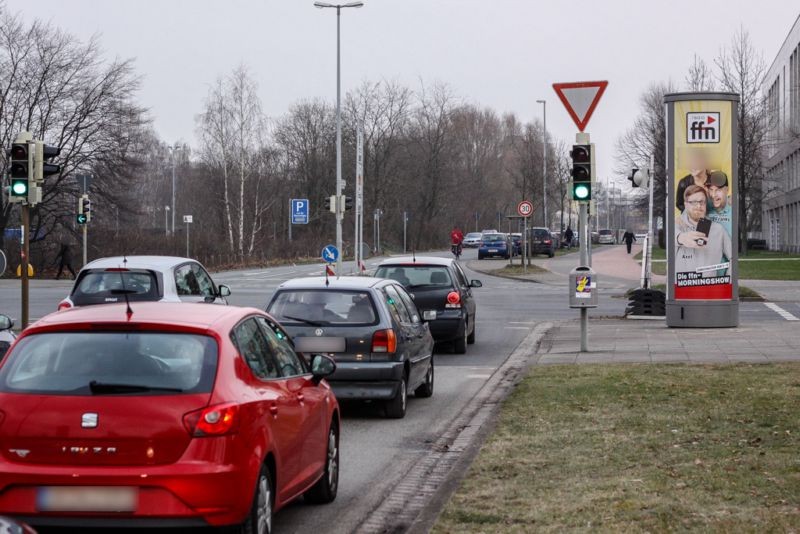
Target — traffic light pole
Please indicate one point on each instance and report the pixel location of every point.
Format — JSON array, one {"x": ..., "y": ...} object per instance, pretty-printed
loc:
[{"x": 26, "y": 217}]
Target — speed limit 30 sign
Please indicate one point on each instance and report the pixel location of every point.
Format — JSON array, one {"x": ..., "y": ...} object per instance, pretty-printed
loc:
[{"x": 525, "y": 208}]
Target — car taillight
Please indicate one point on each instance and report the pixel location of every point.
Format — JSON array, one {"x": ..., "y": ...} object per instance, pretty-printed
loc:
[
  {"x": 213, "y": 421},
  {"x": 64, "y": 305},
  {"x": 384, "y": 341},
  {"x": 547, "y": 241},
  {"x": 453, "y": 300}
]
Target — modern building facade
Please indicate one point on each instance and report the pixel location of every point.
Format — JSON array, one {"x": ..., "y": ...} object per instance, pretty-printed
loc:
[{"x": 781, "y": 206}]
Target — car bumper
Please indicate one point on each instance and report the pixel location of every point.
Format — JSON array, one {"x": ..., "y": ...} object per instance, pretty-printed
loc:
[
  {"x": 366, "y": 380},
  {"x": 191, "y": 492},
  {"x": 447, "y": 326},
  {"x": 499, "y": 253}
]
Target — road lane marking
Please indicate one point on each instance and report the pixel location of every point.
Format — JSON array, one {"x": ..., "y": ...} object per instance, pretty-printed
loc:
[
  {"x": 780, "y": 311},
  {"x": 521, "y": 322},
  {"x": 483, "y": 377},
  {"x": 516, "y": 328}
]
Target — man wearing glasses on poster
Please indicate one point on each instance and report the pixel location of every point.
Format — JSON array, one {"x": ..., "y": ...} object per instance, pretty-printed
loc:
[{"x": 703, "y": 246}]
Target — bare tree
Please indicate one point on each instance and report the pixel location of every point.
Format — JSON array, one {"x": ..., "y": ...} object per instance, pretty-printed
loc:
[
  {"x": 741, "y": 69},
  {"x": 700, "y": 77}
]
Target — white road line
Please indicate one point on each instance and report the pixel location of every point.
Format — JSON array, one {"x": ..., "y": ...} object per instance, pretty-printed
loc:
[
  {"x": 484, "y": 377},
  {"x": 780, "y": 311},
  {"x": 521, "y": 322}
]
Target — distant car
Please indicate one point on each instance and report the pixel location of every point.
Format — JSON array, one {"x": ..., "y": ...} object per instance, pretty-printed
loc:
[
  {"x": 541, "y": 242},
  {"x": 472, "y": 240},
  {"x": 489, "y": 231},
  {"x": 595, "y": 237},
  {"x": 495, "y": 245},
  {"x": 371, "y": 326},
  {"x": 7, "y": 336},
  {"x": 175, "y": 415},
  {"x": 144, "y": 278},
  {"x": 442, "y": 292},
  {"x": 606, "y": 237}
]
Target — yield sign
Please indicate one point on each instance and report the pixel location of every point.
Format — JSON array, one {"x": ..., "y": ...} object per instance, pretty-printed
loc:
[{"x": 580, "y": 99}]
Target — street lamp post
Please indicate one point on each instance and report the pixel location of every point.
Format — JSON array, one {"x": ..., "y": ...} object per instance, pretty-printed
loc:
[
  {"x": 173, "y": 149},
  {"x": 544, "y": 161},
  {"x": 339, "y": 214}
]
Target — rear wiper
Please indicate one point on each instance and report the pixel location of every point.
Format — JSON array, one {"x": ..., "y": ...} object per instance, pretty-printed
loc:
[
  {"x": 306, "y": 321},
  {"x": 102, "y": 387}
]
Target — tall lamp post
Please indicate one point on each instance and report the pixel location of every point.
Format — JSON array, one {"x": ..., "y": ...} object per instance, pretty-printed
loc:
[
  {"x": 544, "y": 160},
  {"x": 172, "y": 150},
  {"x": 339, "y": 207}
]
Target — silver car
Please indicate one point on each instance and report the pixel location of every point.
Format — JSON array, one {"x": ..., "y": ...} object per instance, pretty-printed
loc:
[
  {"x": 144, "y": 278},
  {"x": 7, "y": 336}
]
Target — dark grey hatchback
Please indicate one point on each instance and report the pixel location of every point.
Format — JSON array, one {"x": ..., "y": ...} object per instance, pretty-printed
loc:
[{"x": 370, "y": 326}]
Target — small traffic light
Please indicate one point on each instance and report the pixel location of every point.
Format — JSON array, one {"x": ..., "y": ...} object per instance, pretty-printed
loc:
[
  {"x": 19, "y": 172},
  {"x": 632, "y": 177},
  {"x": 41, "y": 168},
  {"x": 87, "y": 208},
  {"x": 582, "y": 172},
  {"x": 330, "y": 203},
  {"x": 84, "y": 210},
  {"x": 348, "y": 203}
]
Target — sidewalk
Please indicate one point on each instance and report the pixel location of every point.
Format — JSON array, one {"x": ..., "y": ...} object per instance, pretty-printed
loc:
[{"x": 625, "y": 341}]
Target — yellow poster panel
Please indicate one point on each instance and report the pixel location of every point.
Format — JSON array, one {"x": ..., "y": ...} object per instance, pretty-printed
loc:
[{"x": 703, "y": 207}]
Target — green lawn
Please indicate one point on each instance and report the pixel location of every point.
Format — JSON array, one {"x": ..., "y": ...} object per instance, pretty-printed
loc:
[{"x": 639, "y": 448}]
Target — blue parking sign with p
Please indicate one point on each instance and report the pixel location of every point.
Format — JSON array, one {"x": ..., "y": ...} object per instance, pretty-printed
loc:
[{"x": 299, "y": 211}]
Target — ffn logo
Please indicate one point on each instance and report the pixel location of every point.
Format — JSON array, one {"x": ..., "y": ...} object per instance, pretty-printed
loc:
[{"x": 702, "y": 127}]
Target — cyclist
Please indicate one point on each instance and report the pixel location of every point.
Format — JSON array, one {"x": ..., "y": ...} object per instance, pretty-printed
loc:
[{"x": 456, "y": 238}]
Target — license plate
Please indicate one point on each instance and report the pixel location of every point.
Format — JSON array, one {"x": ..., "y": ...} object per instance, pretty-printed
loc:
[
  {"x": 492, "y": 250},
  {"x": 318, "y": 344},
  {"x": 429, "y": 315},
  {"x": 86, "y": 499}
]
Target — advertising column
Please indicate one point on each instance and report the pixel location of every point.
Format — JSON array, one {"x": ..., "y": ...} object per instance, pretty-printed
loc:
[{"x": 702, "y": 216}]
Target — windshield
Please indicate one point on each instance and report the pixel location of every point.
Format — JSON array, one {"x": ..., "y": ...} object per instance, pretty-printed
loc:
[
  {"x": 323, "y": 307},
  {"x": 417, "y": 276},
  {"x": 97, "y": 287},
  {"x": 473, "y": 235},
  {"x": 71, "y": 363}
]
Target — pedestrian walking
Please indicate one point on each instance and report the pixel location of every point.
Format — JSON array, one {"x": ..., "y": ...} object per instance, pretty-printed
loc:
[
  {"x": 64, "y": 257},
  {"x": 629, "y": 238},
  {"x": 568, "y": 235}
]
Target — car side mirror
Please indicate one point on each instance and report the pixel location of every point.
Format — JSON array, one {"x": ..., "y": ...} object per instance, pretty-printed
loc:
[
  {"x": 475, "y": 283},
  {"x": 6, "y": 323},
  {"x": 322, "y": 366},
  {"x": 223, "y": 291}
]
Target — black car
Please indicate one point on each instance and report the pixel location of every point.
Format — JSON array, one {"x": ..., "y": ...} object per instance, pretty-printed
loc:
[
  {"x": 441, "y": 291},
  {"x": 541, "y": 242},
  {"x": 370, "y": 326}
]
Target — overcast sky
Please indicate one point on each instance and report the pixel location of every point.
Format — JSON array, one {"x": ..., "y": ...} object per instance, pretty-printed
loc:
[{"x": 504, "y": 54}]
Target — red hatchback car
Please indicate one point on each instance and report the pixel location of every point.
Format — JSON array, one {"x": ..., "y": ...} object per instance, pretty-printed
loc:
[{"x": 172, "y": 415}]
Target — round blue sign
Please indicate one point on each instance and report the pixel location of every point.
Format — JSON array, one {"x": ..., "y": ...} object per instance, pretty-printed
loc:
[{"x": 330, "y": 254}]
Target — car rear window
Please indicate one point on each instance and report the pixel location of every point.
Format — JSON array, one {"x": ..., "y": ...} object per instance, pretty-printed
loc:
[
  {"x": 541, "y": 234},
  {"x": 102, "y": 286},
  {"x": 324, "y": 307},
  {"x": 606, "y": 232},
  {"x": 417, "y": 276},
  {"x": 74, "y": 363}
]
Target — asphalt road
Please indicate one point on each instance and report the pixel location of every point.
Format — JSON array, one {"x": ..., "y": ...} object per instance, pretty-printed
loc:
[{"x": 376, "y": 452}]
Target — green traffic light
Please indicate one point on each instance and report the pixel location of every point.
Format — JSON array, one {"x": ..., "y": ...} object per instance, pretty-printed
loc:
[
  {"x": 81, "y": 218},
  {"x": 19, "y": 188},
  {"x": 581, "y": 192}
]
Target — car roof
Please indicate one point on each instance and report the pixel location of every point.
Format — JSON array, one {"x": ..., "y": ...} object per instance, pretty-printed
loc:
[
  {"x": 410, "y": 261},
  {"x": 343, "y": 282},
  {"x": 138, "y": 262},
  {"x": 199, "y": 316}
]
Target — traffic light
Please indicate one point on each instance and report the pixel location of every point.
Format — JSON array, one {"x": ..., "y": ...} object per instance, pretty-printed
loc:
[
  {"x": 19, "y": 172},
  {"x": 330, "y": 203},
  {"x": 632, "y": 177},
  {"x": 582, "y": 172},
  {"x": 348, "y": 203},
  {"x": 41, "y": 168},
  {"x": 84, "y": 210}
]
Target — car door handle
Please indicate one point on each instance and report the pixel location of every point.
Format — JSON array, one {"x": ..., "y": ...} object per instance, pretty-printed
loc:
[
  {"x": 273, "y": 409},
  {"x": 300, "y": 397}
]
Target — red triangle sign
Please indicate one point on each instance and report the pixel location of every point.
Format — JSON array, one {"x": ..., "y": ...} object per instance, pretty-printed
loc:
[
  {"x": 710, "y": 119},
  {"x": 580, "y": 99}
]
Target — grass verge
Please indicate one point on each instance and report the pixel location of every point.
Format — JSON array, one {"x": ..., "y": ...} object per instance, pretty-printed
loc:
[
  {"x": 639, "y": 448},
  {"x": 515, "y": 270}
]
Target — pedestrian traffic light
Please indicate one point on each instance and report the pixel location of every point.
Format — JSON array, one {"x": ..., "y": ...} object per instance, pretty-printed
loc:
[
  {"x": 348, "y": 203},
  {"x": 582, "y": 172},
  {"x": 41, "y": 168},
  {"x": 19, "y": 172}
]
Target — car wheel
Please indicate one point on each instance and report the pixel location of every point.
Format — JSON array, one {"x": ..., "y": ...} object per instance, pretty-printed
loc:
[
  {"x": 396, "y": 408},
  {"x": 259, "y": 519},
  {"x": 471, "y": 336},
  {"x": 480, "y": 256},
  {"x": 324, "y": 491},
  {"x": 460, "y": 344},
  {"x": 426, "y": 389}
]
